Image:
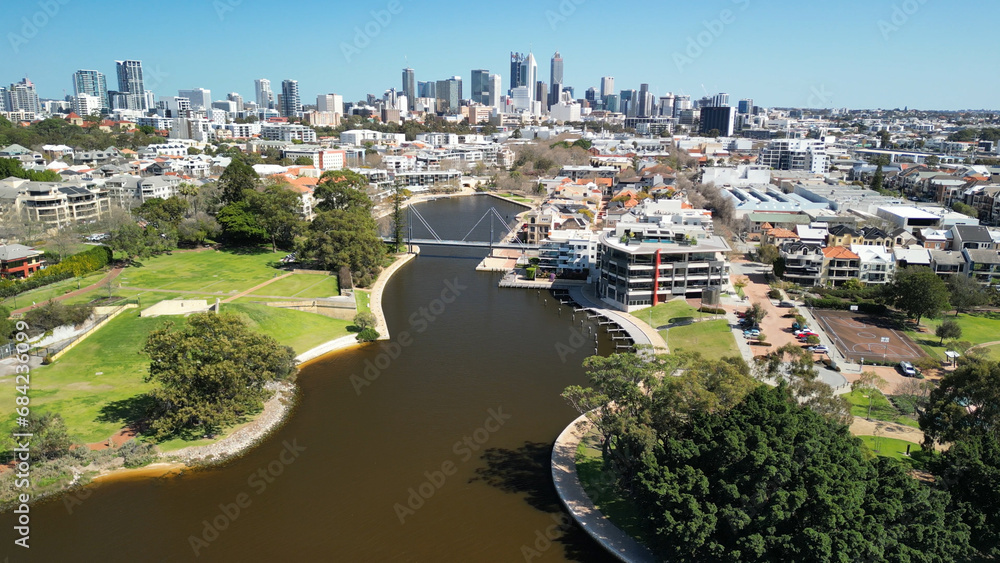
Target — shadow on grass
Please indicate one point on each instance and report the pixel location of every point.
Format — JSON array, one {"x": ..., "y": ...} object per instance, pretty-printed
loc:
[
  {"x": 528, "y": 471},
  {"x": 132, "y": 412},
  {"x": 247, "y": 250}
]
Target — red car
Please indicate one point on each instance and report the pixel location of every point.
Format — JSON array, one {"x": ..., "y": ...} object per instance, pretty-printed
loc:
[{"x": 806, "y": 334}]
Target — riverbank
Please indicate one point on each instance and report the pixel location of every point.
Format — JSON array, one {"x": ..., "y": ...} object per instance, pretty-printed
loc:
[
  {"x": 376, "y": 294},
  {"x": 574, "y": 498}
]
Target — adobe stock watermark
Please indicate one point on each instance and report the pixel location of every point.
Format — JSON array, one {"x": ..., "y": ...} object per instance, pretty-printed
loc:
[
  {"x": 577, "y": 341},
  {"x": 563, "y": 11},
  {"x": 901, "y": 14},
  {"x": 819, "y": 97},
  {"x": 223, "y": 7},
  {"x": 436, "y": 478},
  {"x": 419, "y": 322},
  {"x": 230, "y": 512},
  {"x": 363, "y": 35},
  {"x": 31, "y": 25},
  {"x": 698, "y": 43}
]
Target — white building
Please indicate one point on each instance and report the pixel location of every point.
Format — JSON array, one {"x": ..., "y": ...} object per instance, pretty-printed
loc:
[
  {"x": 322, "y": 158},
  {"x": 565, "y": 111},
  {"x": 85, "y": 104},
  {"x": 287, "y": 132},
  {"x": 330, "y": 102},
  {"x": 572, "y": 250},
  {"x": 878, "y": 264},
  {"x": 795, "y": 154}
]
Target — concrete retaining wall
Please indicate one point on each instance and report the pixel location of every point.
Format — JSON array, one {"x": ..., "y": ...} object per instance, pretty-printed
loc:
[
  {"x": 92, "y": 330},
  {"x": 335, "y": 309}
]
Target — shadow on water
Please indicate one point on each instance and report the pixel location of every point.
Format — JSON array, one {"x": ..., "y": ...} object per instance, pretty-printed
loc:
[{"x": 527, "y": 471}]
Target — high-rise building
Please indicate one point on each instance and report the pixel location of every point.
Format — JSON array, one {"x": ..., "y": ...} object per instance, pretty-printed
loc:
[
  {"x": 556, "y": 71},
  {"x": 721, "y": 119},
  {"x": 427, "y": 89},
  {"x": 720, "y": 100},
  {"x": 746, "y": 106},
  {"x": 200, "y": 97},
  {"x": 627, "y": 100},
  {"x": 85, "y": 104},
  {"x": 642, "y": 104},
  {"x": 449, "y": 94},
  {"x": 130, "y": 84},
  {"x": 237, "y": 99},
  {"x": 542, "y": 94},
  {"x": 607, "y": 86},
  {"x": 479, "y": 88},
  {"x": 409, "y": 87},
  {"x": 331, "y": 103},
  {"x": 92, "y": 83},
  {"x": 264, "y": 95},
  {"x": 517, "y": 69},
  {"x": 681, "y": 103},
  {"x": 530, "y": 74},
  {"x": 495, "y": 90},
  {"x": 22, "y": 97},
  {"x": 591, "y": 96},
  {"x": 555, "y": 94},
  {"x": 291, "y": 105},
  {"x": 667, "y": 105},
  {"x": 611, "y": 103}
]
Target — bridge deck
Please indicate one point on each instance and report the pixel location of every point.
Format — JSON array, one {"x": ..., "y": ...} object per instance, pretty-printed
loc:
[{"x": 470, "y": 243}]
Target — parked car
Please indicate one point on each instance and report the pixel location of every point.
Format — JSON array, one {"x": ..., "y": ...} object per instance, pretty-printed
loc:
[
  {"x": 787, "y": 304},
  {"x": 805, "y": 332},
  {"x": 819, "y": 349},
  {"x": 751, "y": 333},
  {"x": 906, "y": 368}
]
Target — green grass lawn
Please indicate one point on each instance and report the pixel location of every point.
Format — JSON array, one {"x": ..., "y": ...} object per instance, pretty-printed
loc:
[
  {"x": 711, "y": 338},
  {"x": 97, "y": 383},
  {"x": 225, "y": 271},
  {"x": 975, "y": 329},
  {"x": 599, "y": 485},
  {"x": 882, "y": 409},
  {"x": 47, "y": 292},
  {"x": 994, "y": 352},
  {"x": 302, "y": 285},
  {"x": 666, "y": 313},
  {"x": 893, "y": 447},
  {"x": 363, "y": 299}
]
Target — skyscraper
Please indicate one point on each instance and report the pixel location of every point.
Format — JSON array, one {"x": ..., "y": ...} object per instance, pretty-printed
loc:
[
  {"x": 495, "y": 85},
  {"x": 642, "y": 105},
  {"x": 22, "y": 97},
  {"x": 199, "y": 97},
  {"x": 542, "y": 94},
  {"x": 556, "y": 71},
  {"x": 130, "y": 84},
  {"x": 291, "y": 105},
  {"x": 627, "y": 102},
  {"x": 92, "y": 83},
  {"x": 721, "y": 119},
  {"x": 409, "y": 87},
  {"x": 263, "y": 93},
  {"x": 530, "y": 74},
  {"x": 427, "y": 89},
  {"x": 517, "y": 76},
  {"x": 449, "y": 94},
  {"x": 746, "y": 106},
  {"x": 479, "y": 89},
  {"x": 237, "y": 99},
  {"x": 607, "y": 86},
  {"x": 332, "y": 103}
]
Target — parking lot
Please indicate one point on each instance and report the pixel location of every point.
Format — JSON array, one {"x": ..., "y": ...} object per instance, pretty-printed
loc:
[{"x": 862, "y": 337}]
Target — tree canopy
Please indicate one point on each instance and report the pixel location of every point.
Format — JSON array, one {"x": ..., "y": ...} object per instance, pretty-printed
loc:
[
  {"x": 342, "y": 190},
  {"x": 917, "y": 291},
  {"x": 342, "y": 237},
  {"x": 210, "y": 372},
  {"x": 236, "y": 180}
]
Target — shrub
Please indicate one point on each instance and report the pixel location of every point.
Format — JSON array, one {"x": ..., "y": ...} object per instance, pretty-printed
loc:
[
  {"x": 774, "y": 293},
  {"x": 364, "y": 320},
  {"x": 712, "y": 310},
  {"x": 368, "y": 335},
  {"x": 137, "y": 454}
]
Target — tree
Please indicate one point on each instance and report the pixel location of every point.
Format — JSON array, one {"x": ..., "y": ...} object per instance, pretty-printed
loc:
[
  {"x": 367, "y": 335},
  {"x": 129, "y": 239},
  {"x": 49, "y": 437},
  {"x": 756, "y": 313},
  {"x": 348, "y": 238},
  {"x": 917, "y": 291},
  {"x": 342, "y": 190},
  {"x": 768, "y": 254},
  {"x": 195, "y": 230},
  {"x": 878, "y": 179},
  {"x": 210, "y": 373},
  {"x": 948, "y": 329},
  {"x": 398, "y": 221},
  {"x": 237, "y": 179},
  {"x": 966, "y": 293},
  {"x": 970, "y": 470},
  {"x": 516, "y": 134},
  {"x": 964, "y": 209},
  {"x": 164, "y": 214},
  {"x": 240, "y": 224},
  {"x": 303, "y": 161},
  {"x": 964, "y": 403},
  {"x": 869, "y": 383},
  {"x": 7, "y": 324},
  {"x": 277, "y": 214},
  {"x": 363, "y": 320}
]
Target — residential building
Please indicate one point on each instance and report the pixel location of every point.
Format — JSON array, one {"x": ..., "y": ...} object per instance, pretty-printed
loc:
[
  {"x": 130, "y": 86},
  {"x": 947, "y": 263},
  {"x": 795, "y": 154},
  {"x": 91, "y": 83},
  {"x": 974, "y": 238},
  {"x": 983, "y": 265},
  {"x": 287, "y": 132},
  {"x": 912, "y": 256},
  {"x": 291, "y": 104},
  {"x": 22, "y": 97},
  {"x": 569, "y": 251},
  {"x": 54, "y": 204},
  {"x": 332, "y": 103},
  {"x": 877, "y": 264},
  {"x": 263, "y": 94},
  {"x": 839, "y": 265},
  {"x": 323, "y": 159},
  {"x": 18, "y": 261},
  {"x": 803, "y": 263},
  {"x": 200, "y": 98}
]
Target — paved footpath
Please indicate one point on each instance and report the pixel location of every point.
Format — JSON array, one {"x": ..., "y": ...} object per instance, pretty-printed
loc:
[
  {"x": 256, "y": 287},
  {"x": 579, "y": 505},
  {"x": 110, "y": 276}
]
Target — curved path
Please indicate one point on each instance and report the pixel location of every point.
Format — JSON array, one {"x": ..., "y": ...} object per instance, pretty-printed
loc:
[
  {"x": 110, "y": 276},
  {"x": 638, "y": 330},
  {"x": 579, "y": 505},
  {"x": 375, "y": 303}
]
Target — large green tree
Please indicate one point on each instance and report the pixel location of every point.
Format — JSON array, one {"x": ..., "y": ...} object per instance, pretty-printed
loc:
[
  {"x": 965, "y": 403},
  {"x": 240, "y": 224},
  {"x": 970, "y": 471},
  {"x": 277, "y": 212},
  {"x": 210, "y": 373},
  {"x": 965, "y": 293},
  {"x": 340, "y": 237},
  {"x": 164, "y": 214},
  {"x": 236, "y": 180},
  {"x": 917, "y": 291},
  {"x": 342, "y": 190}
]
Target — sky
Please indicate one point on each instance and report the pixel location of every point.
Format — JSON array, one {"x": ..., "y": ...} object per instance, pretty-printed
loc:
[{"x": 781, "y": 53}]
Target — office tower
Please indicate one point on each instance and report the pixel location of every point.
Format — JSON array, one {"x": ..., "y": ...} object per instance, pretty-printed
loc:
[
  {"x": 667, "y": 105},
  {"x": 237, "y": 99},
  {"x": 556, "y": 71},
  {"x": 264, "y": 95},
  {"x": 681, "y": 103},
  {"x": 92, "y": 83},
  {"x": 331, "y": 103},
  {"x": 291, "y": 105},
  {"x": 542, "y": 93},
  {"x": 721, "y": 118},
  {"x": 200, "y": 97},
  {"x": 569, "y": 90},
  {"x": 746, "y": 106},
  {"x": 555, "y": 94},
  {"x": 591, "y": 95},
  {"x": 531, "y": 74},
  {"x": 130, "y": 84},
  {"x": 494, "y": 91},
  {"x": 449, "y": 94},
  {"x": 642, "y": 105},
  {"x": 22, "y": 97},
  {"x": 627, "y": 101},
  {"x": 720, "y": 100},
  {"x": 607, "y": 86},
  {"x": 480, "y": 87},
  {"x": 427, "y": 89},
  {"x": 517, "y": 76},
  {"x": 409, "y": 87},
  {"x": 611, "y": 103}
]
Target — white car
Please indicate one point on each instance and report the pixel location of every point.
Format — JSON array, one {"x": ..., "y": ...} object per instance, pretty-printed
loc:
[
  {"x": 819, "y": 349},
  {"x": 906, "y": 368}
]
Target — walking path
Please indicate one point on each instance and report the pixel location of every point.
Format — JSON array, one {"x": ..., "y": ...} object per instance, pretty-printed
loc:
[
  {"x": 864, "y": 427},
  {"x": 256, "y": 287},
  {"x": 375, "y": 304},
  {"x": 579, "y": 505},
  {"x": 110, "y": 276},
  {"x": 639, "y": 331}
]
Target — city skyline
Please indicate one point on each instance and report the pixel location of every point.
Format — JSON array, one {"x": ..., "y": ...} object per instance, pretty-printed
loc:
[{"x": 863, "y": 47}]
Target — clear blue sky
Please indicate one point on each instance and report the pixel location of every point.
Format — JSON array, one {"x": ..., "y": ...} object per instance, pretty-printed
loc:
[{"x": 925, "y": 54}]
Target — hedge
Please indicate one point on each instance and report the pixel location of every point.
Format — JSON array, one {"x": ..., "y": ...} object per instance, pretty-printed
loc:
[
  {"x": 76, "y": 265},
  {"x": 863, "y": 307},
  {"x": 712, "y": 310}
]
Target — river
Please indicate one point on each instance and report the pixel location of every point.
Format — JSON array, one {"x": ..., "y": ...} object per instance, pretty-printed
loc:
[{"x": 432, "y": 447}]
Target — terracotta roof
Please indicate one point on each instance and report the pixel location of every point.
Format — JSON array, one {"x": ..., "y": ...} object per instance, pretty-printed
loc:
[
  {"x": 840, "y": 253},
  {"x": 781, "y": 233}
]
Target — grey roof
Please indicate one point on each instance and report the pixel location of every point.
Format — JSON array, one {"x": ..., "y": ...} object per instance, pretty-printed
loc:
[
  {"x": 16, "y": 251},
  {"x": 796, "y": 218},
  {"x": 982, "y": 256},
  {"x": 15, "y": 149},
  {"x": 970, "y": 233},
  {"x": 949, "y": 257}
]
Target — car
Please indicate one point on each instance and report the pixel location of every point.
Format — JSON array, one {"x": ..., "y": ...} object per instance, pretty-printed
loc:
[
  {"x": 906, "y": 368},
  {"x": 787, "y": 304},
  {"x": 751, "y": 333},
  {"x": 819, "y": 349},
  {"x": 805, "y": 332}
]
